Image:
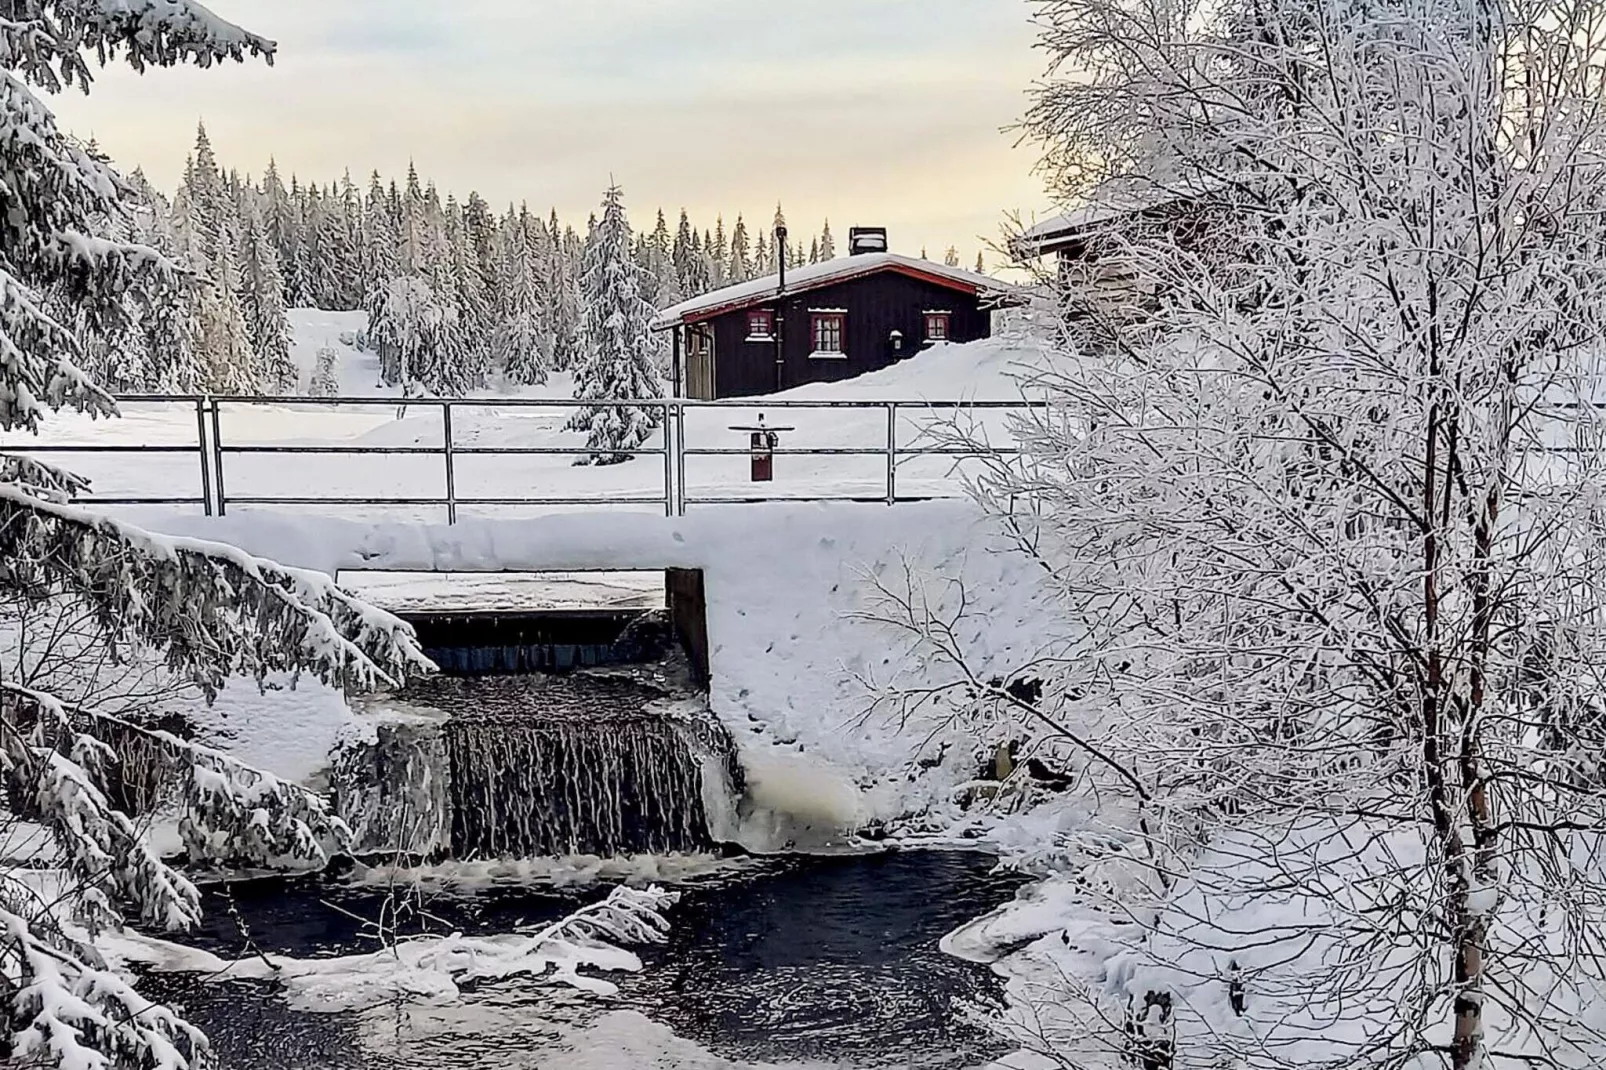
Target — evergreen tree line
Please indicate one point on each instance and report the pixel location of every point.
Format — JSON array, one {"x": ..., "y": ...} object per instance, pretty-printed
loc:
[{"x": 459, "y": 296}]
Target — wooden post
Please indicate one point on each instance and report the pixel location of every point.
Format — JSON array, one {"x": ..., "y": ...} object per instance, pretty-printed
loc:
[{"x": 675, "y": 363}]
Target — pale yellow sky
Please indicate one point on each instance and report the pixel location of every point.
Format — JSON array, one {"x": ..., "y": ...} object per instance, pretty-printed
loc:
[{"x": 884, "y": 112}]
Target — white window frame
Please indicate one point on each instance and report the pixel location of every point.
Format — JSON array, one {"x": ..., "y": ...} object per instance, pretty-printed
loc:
[
  {"x": 767, "y": 336},
  {"x": 841, "y": 317}
]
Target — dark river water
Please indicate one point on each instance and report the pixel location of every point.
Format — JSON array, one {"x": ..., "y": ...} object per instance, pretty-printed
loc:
[{"x": 823, "y": 962}]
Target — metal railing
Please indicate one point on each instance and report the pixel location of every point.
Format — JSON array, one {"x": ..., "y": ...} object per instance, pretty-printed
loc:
[{"x": 674, "y": 493}]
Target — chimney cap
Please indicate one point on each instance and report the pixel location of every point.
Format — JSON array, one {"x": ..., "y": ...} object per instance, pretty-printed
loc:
[{"x": 867, "y": 240}]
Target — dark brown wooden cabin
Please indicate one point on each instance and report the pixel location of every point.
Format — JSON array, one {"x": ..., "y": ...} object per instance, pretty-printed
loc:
[{"x": 833, "y": 320}]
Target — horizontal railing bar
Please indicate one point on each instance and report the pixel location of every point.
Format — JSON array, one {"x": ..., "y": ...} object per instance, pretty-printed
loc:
[
  {"x": 436, "y": 403},
  {"x": 576, "y": 403},
  {"x": 825, "y": 451},
  {"x": 235, "y": 499},
  {"x": 102, "y": 448},
  {"x": 438, "y": 451},
  {"x": 878, "y": 499},
  {"x": 610, "y": 500},
  {"x": 336, "y": 451},
  {"x": 547, "y": 451},
  {"x": 93, "y": 499},
  {"x": 903, "y": 451}
]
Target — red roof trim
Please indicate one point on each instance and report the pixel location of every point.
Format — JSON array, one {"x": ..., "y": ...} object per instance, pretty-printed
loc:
[{"x": 945, "y": 282}]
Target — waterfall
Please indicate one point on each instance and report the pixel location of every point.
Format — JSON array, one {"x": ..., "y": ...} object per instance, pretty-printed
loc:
[
  {"x": 394, "y": 790},
  {"x": 541, "y": 765},
  {"x": 557, "y": 788}
]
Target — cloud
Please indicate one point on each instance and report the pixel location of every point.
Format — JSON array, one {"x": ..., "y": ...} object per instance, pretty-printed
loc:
[{"x": 870, "y": 110}]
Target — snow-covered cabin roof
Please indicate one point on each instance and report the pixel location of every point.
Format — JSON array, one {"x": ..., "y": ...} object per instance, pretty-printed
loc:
[
  {"x": 813, "y": 276},
  {"x": 1117, "y": 200}
]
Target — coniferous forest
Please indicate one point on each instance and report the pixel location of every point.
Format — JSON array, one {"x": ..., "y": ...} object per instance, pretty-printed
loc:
[{"x": 461, "y": 295}]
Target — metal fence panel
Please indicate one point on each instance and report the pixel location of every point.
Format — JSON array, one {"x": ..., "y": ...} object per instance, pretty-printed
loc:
[{"x": 213, "y": 451}]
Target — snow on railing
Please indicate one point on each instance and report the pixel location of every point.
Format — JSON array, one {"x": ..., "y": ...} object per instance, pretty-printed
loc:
[{"x": 505, "y": 446}]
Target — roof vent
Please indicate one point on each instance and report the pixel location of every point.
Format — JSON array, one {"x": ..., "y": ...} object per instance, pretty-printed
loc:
[{"x": 867, "y": 240}]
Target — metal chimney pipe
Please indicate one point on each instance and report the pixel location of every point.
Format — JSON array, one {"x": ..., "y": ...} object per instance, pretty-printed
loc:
[{"x": 780, "y": 310}]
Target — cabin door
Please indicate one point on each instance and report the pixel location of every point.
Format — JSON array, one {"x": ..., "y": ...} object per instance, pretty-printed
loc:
[{"x": 700, "y": 363}]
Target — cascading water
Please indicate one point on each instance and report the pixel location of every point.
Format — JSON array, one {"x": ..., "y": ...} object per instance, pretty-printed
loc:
[{"x": 528, "y": 766}]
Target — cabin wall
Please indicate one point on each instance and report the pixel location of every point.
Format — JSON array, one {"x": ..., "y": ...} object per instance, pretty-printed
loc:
[{"x": 876, "y": 306}]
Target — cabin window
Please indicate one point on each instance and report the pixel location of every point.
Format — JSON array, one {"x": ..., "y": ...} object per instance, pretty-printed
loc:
[
  {"x": 761, "y": 326},
  {"x": 828, "y": 334},
  {"x": 937, "y": 326}
]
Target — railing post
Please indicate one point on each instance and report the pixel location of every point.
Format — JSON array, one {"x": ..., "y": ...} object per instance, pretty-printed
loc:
[
  {"x": 217, "y": 460},
  {"x": 200, "y": 455},
  {"x": 680, "y": 456},
  {"x": 669, "y": 458},
  {"x": 451, "y": 468},
  {"x": 892, "y": 453}
]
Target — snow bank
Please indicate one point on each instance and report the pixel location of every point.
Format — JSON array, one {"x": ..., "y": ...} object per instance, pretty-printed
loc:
[
  {"x": 631, "y": 1039},
  {"x": 433, "y": 969},
  {"x": 1297, "y": 923},
  {"x": 572, "y": 871}
]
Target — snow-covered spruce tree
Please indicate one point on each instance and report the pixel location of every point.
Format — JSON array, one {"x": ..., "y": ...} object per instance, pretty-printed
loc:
[
  {"x": 413, "y": 332},
  {"x": 617, "y": 364},
  {"x": 522, "y": 343},
  {"x": 660, "y": 263},
  {"x": 381, "y": 257},
  {"x": 472, "y": 299},
  {"x": 1325, "y": 536},
  {"x": 564, "y": 303},
  {"x": 691, "y": 269},
  {"x": 740, "y": 267},
  {"x": 222, "y": 340},
  {"x": 279, "y": 216},
  {"x": 325, "y": 381},
  {"x": 206, "y": 611},
  {"x": 262, "y": 301}
]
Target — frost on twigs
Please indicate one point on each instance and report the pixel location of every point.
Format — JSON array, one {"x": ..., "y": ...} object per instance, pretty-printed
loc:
[{"x": 1317, "y": 489}]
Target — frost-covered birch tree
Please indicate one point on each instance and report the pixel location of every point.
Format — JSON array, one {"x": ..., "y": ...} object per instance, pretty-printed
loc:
[
  {"x": 1325, "y": 525},
  {"x": 205, "y": 611},
  {"x": 617, "y": 364}
]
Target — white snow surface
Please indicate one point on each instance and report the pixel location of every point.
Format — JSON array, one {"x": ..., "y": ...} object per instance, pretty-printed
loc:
[
  {"x": 1293, "y": 910},
  {"x": 825, "y": 273},
  {"x": 400, "y": 592}
]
